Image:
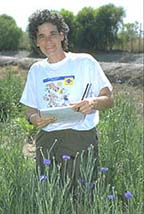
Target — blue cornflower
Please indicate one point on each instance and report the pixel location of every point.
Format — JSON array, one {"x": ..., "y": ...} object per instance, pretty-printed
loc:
[
  {"x": 81, "y": 181},
  {"x": 43, "y": 177},
  {"x": 46, "y": 162},
  {"x": 111, "y": 197},
  {"x": 104, "y": 169},
  {"x": 91, "y": 185},
  {"x": 128, "y": 195},
  {"x": 66, "y": 157}
]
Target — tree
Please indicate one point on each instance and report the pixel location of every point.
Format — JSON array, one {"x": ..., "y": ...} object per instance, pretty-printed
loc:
[
  {"x": 85, "y": 22},
  {"x": 128, "y": 34},
  {"x": 108, "y": 20},
  {"x": 70, "y": 20},
  {"x": 24, "y": 42},
  {"x": 97, "y": 28},
  {"x": 10, "y": 34}
]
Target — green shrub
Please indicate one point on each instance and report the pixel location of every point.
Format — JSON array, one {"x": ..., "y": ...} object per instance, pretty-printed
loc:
[{"x": 10, "y": 93}]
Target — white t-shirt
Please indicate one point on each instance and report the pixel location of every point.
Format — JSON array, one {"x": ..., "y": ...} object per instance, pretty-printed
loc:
[{"x": 57, "y": 84}]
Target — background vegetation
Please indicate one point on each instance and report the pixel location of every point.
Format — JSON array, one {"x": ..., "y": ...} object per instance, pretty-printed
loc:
[
  {"x": 10, "y": 34},
  {"x": 100, "y": 29}
]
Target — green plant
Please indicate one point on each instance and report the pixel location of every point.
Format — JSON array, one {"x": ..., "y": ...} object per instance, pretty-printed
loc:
[{"x": 10, "y": 93}]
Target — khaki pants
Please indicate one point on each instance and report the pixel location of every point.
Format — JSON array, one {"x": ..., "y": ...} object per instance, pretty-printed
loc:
[{"x": 73, "y": 143}]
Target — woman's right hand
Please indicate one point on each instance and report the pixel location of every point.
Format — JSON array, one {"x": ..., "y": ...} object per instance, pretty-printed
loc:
[{"x": 40, "y": 122}]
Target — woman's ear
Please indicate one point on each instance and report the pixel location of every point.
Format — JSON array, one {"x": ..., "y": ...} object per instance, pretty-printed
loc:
[{"x": 62, "y": 35}]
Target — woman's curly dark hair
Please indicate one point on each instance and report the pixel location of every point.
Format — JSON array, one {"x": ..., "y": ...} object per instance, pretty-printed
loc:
[{"x": 45, "y": 16}]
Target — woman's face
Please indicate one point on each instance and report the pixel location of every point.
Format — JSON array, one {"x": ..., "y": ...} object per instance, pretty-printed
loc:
[{"x": 49, "y": 40}]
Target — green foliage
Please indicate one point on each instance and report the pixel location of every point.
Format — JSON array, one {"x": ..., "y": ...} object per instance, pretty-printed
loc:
[
  {"x": 10, "y": 93},
  {"x": 121, "y": 145},
  {"x": 9, "y": 33},
  {"x": 107, "y": 23},
  {"x": 24, "y": 42},
  {"x": 85, "y": 30},
  {"x": 70, "y": 20},
  {"x": 120, "y": 151},
  {"x": 97, "y": 28},
  {"x": 128, "y": 36}
]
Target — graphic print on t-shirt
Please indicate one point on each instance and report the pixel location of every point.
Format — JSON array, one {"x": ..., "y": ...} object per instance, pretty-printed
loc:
[{"x": 57, "y": 90}]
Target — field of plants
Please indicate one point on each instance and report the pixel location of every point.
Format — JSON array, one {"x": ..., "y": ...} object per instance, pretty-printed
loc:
[{"x": 119, "y": 187}]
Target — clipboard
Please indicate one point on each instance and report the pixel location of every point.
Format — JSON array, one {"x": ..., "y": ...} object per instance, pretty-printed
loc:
[{"x": 62, "y": 114}]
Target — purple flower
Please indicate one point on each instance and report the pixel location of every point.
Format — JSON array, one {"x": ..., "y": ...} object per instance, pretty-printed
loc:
[
  {"x": 66, "y": 157},
  {"x": 111, "y": 197},
  {"x": 81, "y": 181},
  {"x": 128, "y": 195},
  {"x": 43, "y": 177},
  {"x": 91, "y": 185},
  {"x": 103, "y": 169},
  {"x": 46, "y": 162}
]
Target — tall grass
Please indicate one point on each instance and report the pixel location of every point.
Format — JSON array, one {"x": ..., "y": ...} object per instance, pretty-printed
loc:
[
  {"x": 120, "y": 170},
  {"x": 10, "y": 92}
]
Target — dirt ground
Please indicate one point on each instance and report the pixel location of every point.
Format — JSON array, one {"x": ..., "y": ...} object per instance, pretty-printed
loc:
[
  {"x": 120, "y": 57},
  {"x": 120, "y": 67}
]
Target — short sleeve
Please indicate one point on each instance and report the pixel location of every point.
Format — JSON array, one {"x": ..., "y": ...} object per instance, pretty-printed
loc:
[{"x": 28, "y": 96}]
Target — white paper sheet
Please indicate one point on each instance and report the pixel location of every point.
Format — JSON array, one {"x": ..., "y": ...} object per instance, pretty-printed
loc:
[{"x": 63, "y": 114}]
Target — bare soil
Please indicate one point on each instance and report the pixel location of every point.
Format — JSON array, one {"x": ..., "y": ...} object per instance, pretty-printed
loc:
[{"x": 120, "y": 67}]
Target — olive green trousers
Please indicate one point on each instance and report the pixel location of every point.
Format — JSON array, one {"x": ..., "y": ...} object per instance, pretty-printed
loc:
[{"x": 75, "y": 152}]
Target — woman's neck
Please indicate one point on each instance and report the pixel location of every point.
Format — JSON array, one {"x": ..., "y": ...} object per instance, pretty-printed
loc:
[{"x": 56, "y": 58}]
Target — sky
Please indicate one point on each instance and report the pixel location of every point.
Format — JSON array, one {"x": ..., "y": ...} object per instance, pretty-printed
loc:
[{"x": 21, "y": 10}]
